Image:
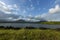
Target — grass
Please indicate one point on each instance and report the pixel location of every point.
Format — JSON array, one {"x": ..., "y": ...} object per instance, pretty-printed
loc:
[
  {"x": 53, "y": 23},
  {"x": 29, "y": 34}
]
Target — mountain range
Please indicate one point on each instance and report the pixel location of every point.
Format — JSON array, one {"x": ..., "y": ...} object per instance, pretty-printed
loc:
[{"x": 21, "y": 21}]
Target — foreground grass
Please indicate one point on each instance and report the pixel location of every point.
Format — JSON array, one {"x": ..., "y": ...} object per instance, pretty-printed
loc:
[{"x": 29, "y": 34}]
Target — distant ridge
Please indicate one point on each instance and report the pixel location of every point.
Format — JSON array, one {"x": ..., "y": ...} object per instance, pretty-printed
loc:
[{"x": 21, "y": 21}]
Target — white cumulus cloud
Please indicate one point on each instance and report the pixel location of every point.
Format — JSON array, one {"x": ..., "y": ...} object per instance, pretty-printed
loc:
[
  {"x": 53, "y": 14},
  {"x": 8, "y": 9},
  {"x": 55, "y": 10},
  {"x": 8, "y": 12}
]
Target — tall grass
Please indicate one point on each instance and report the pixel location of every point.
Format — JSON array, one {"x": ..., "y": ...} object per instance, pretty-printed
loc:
[{"x": 29, "y": 34}]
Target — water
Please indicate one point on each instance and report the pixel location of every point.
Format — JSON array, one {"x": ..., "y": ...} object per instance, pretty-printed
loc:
[{"x": 22, "y": 25}]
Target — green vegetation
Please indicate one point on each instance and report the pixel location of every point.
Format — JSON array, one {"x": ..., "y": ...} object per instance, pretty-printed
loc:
[
  {"x": 29, "y": 34},
  {"x": 50, "y": 22}
]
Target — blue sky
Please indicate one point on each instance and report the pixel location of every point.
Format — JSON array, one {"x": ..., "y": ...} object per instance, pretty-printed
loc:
[{"x": 30, "y": 9}]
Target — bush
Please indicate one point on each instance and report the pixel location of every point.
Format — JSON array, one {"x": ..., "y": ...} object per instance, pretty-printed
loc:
[
  {"x": 29, "y": 27},
  {"x": 43, "y": 28},
  {"x": 1, "y": 26}
]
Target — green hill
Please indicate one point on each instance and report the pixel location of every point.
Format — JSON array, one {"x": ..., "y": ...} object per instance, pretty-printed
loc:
[{"x": 50, "y": 23}]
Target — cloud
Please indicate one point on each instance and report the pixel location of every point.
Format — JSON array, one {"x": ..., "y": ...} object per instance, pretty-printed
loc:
[
  {"x": 22, "y": 1},
  {"x": 57, "y": 1},
  {"x": 33, "y": 18},
  {"x": 29, "y": 18},
  {"x": 30, "y": 0},
  {"x": 32, "y": 7},
  {"x": 8, "y": 9},
  {"x": 8, "y": 12},
  {"x": 53, "y": 14},
  {"x": 24, "y": 11},
  {"x": 52, "y": 17},
  {"x": 38, "y": 17},
  {"x": 7, "y": 16},
  {"x": 55, "y": 10}
]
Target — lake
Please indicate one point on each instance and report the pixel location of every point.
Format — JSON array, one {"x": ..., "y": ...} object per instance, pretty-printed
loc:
[{"x": 22, "y": 25}]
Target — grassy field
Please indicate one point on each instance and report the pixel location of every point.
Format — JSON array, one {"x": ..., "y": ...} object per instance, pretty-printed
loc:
[
  {"x": 50, "y": 23},
  {"x": 29, "y": 34}
]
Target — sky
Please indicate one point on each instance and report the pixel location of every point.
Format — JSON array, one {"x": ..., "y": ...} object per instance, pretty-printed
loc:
[{"x": 30, "y": 10}]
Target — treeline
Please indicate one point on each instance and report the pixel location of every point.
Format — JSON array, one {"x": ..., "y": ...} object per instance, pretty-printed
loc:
[
  {"x": 8, "y": 27},
  {"x": 27, "y": 27}
]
